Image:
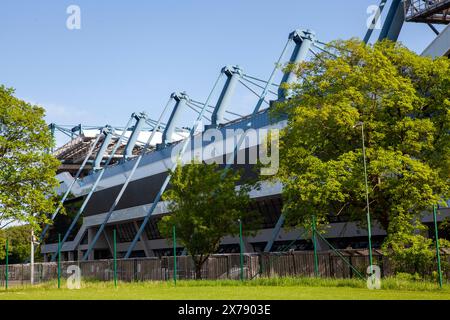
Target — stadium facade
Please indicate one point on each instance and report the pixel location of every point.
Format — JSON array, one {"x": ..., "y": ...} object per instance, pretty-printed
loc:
[{"x": 116, "y": 177}]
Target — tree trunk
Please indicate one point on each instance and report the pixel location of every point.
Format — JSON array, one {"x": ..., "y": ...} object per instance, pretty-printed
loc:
[
  {"x": 198, "y": 263},
  {"x": 198, "y": 271}
]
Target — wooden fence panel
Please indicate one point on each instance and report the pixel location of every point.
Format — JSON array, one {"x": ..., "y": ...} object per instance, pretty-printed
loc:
[{"x": 224, "y": 266}]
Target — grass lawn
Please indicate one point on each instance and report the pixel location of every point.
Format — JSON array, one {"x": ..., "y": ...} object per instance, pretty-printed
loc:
[{"x": 264, "y": 289}]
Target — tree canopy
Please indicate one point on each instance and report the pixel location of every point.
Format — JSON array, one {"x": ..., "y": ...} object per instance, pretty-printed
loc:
[
  {"x": 27, "y": 170},
  {"x": 403, "y": 102},
  {"x": 205, "y": 206}
]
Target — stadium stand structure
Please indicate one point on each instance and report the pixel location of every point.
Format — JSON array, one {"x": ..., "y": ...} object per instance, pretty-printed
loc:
[{"x": 113, "y": 178}]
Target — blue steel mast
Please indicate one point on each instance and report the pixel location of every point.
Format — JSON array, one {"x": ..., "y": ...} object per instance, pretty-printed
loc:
[{"x": 304, "y": 40}]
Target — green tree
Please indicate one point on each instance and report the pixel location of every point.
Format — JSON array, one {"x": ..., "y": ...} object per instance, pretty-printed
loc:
[
  {"x": 27, "y": 171},
  {"x": 402, "y": 100},
  {"x": 407, "y": 247},
  {"x": 205, "y": 206},
  {"x": 64, "y": 219},
  {"x": 19, "y": 244}
]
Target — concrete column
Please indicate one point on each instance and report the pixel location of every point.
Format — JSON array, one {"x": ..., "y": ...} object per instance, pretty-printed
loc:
[
  {"x": 91, "y": 235},
  {"x": 109, "y": 240},
  {"x": 321, "y": 245},
  {"x": 70, "y": 256},
  {"x": 144, "y": 240},
  {"x": 248, "y": 248}
]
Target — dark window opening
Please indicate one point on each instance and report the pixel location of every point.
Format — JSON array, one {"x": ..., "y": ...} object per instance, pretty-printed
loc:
[
  {"x": 167, "y": 252},
  {"x": 102, "y": 254},
  {"x": 151, "y": 229},
  {"x": 62, "y": 222},
  {"x": 137, "y": 254},
  {"x": 356, "y": 242},
  {"x": 229, "y": 248},
  {"x": 84, "y": 239},
  {"x": 125, "y": 232},
  {"x": 269, "y": 209},
  {"x": 297, "y": 245}
]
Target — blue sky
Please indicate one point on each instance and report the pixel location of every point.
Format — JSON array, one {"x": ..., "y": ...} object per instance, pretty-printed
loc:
[{"x": 130, "y": 55}]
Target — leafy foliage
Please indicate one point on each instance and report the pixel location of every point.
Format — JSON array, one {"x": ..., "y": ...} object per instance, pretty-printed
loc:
[
  {"x": 408, "y": 249},
  {"x": 205, "y": 207},
  {"x": 403, "y": 101},
  {"x": 64, "y": 219},
  {"x": 27, "y": 171},
  {"x": 19, "y": 244}
]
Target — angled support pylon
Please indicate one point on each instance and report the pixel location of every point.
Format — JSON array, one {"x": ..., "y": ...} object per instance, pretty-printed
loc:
[
  {"x": 275, "y": 233},
  {"x": 66, "y": 194},
  {"x": 127, "y": 181},
  {"x": 181, "y": 98},
  {"x": 94, "y": 187},
  {"x": 108, "y": 133},
  {"x": 147, "y": 251},
  {"x": 303, "y": 40},
  {"x": 185, "y": 144},
  {"x": 394, "y": 21},
  {"x": 233, "y": 74},
  {"x": 375, "y": 21},
  {"x": 141, "y": 119},
  {"x": 193, "y": 130}
]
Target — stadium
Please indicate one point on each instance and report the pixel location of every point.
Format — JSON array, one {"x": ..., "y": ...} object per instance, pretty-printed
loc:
[{"x": 113, "y": 178}]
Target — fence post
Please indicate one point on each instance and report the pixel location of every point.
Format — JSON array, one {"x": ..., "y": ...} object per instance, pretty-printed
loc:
[
  {"x": 174, "y": 256},
  {"x": 241, "y": 260},
  {"x": 350, "y": 269},
  {"x": 59, "y": 261},
  {"x": 228, "y": 267},
  {"x": 115, "y": 258},
  {"x": 316, "y": 260},
  {"x": 261, "y": 268},
  {"x": 7, "y": 262},
  {"x": 31, "y": 258},
  {"x": 163, "y": 277},
  {"x": 135, "y": 270},
  {"x": 331, "y": 262},
  {"x": 438, "y": 253},
  {"x": 293, "y": 264}
]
